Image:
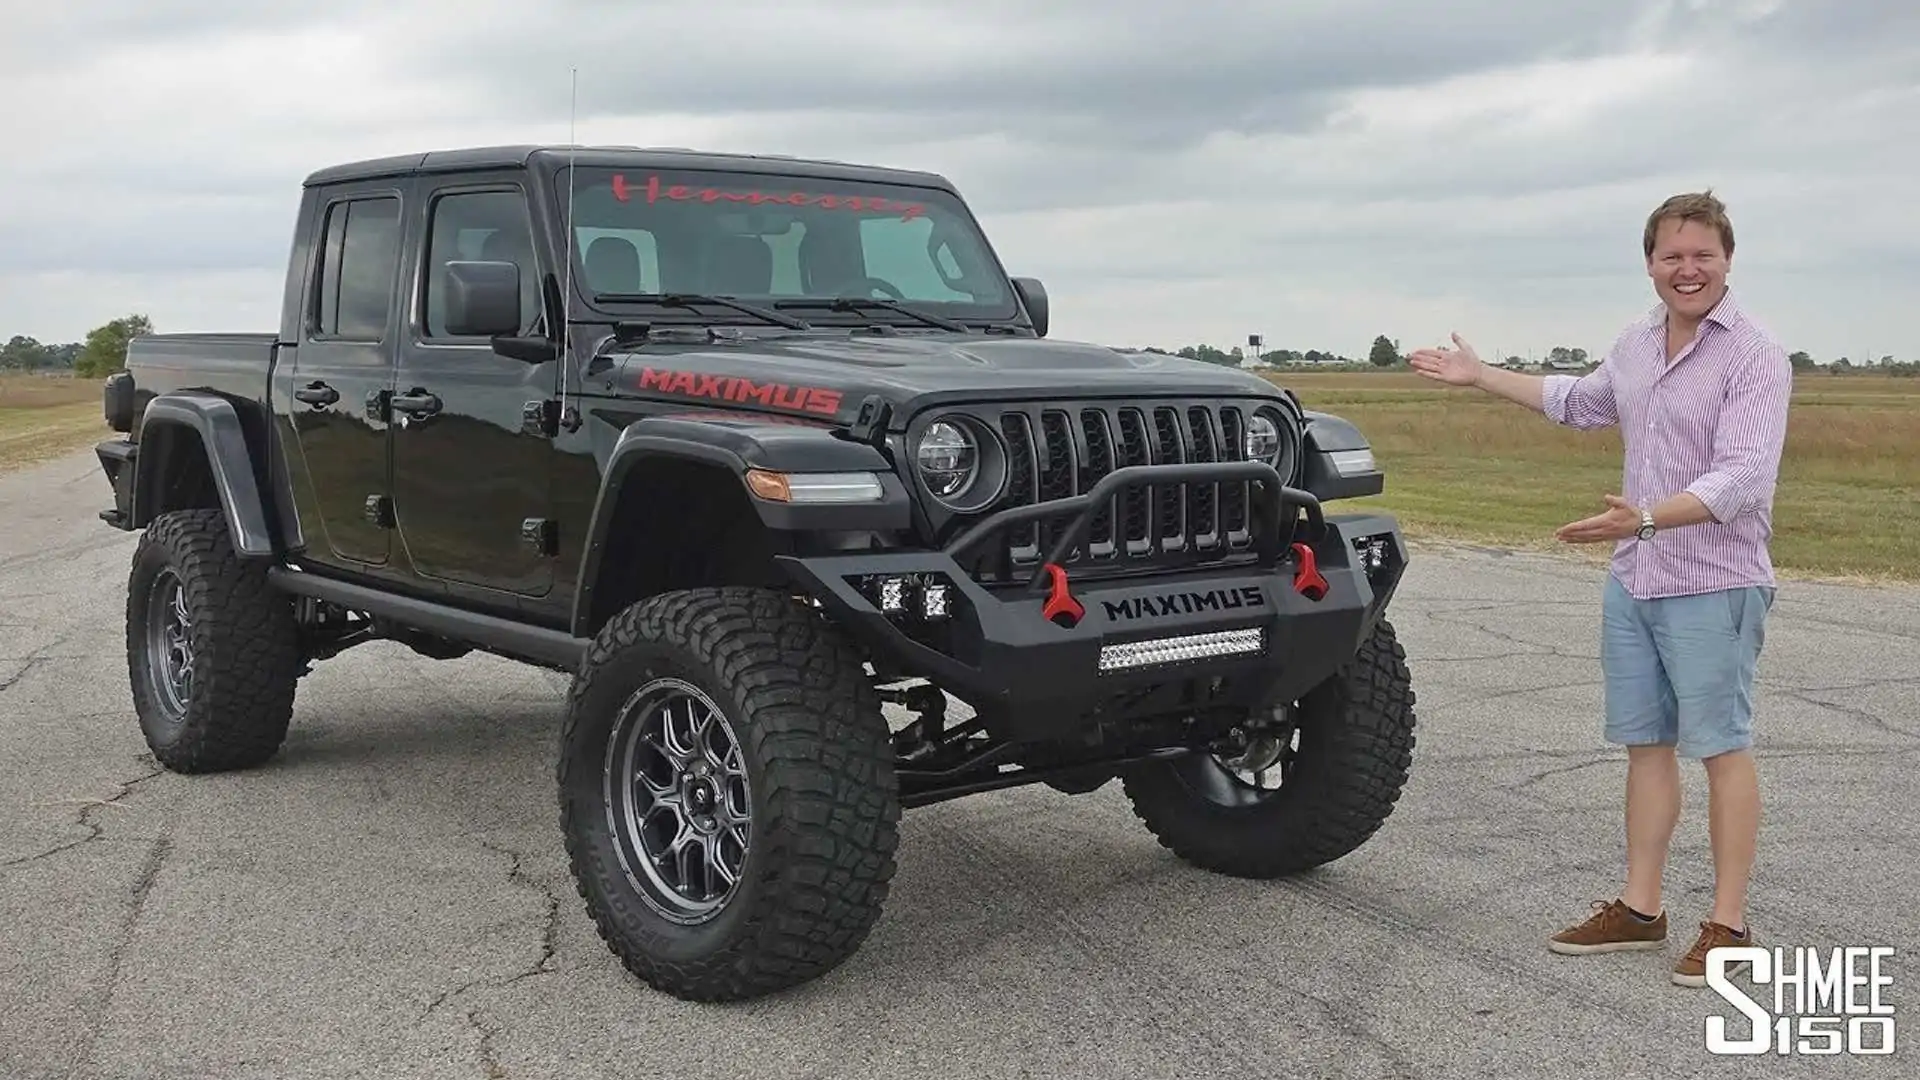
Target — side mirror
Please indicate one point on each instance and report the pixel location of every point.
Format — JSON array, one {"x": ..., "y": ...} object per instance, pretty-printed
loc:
[
  {"x": 1034, "y": 296},
  {"x": 482, "y": 298}
]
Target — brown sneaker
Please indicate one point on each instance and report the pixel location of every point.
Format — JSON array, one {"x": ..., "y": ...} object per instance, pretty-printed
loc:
[
  {"x": 1613, "y": 927},
  {"x": 1691, "y": 970}
]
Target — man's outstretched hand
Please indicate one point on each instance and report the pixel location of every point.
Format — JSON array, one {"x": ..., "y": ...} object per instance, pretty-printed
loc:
[
  {"x": 1619, "y": 521},
  {"x": 1459, "y": 366}
]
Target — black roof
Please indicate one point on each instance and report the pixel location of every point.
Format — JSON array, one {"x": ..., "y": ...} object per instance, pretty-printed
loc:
[{"x": 632, "y": 157}]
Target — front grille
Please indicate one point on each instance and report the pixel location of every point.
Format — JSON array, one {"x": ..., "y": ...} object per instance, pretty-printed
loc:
[{"x": 1057, "y": 450}]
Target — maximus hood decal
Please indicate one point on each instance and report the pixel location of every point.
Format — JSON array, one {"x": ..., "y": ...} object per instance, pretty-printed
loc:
[{"x": 715, "y": 387}]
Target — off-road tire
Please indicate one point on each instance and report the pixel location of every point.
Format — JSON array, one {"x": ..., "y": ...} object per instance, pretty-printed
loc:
[
  {"x": 244, "y": 647},
  {"x": 1356, "y": 749},
  {"x": 824, "y": 802}
]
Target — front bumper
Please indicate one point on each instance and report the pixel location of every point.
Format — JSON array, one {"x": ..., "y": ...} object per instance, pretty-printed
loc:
[{"x": 1234, "y": 636}]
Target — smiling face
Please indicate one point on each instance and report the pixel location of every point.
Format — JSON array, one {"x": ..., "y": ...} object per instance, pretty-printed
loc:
[
  {"x": 1689, "y": 248},
  {"x": 1689, "y": 268}
]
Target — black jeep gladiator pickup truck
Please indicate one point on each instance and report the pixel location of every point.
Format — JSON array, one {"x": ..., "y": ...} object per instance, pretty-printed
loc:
[{"x": 752, "y": 447}]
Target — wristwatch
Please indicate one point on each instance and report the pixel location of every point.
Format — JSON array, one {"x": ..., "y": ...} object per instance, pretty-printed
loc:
[{"x": 1646, "y": 530}]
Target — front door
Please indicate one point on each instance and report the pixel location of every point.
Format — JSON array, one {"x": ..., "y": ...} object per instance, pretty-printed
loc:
[
  {"x": 472, "y": 472},
  {"x": 341, "y": 365}
]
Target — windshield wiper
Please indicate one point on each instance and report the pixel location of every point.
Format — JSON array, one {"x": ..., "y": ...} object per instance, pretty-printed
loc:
[
  {"x": 687, "y": 300},
  {"x": 855, "y": 303}
]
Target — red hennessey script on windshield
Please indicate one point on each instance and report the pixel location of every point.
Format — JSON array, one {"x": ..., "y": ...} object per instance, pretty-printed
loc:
[
  {"x": 811, "y": 399},
  {"x": 653, "y": 191}
]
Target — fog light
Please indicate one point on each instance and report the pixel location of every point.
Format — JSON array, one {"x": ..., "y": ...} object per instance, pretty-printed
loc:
[
  {"x": 1370, "y": 552},
  {"x": 925, "y": 597},
  {"x": 933, "y": 600}
]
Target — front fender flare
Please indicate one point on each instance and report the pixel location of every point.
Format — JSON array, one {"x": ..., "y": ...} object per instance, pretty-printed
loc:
[
  {"x": 735, "y": 445},
  {"x": 216, "y": 424},
  {"x": 1338, "y": 459}
]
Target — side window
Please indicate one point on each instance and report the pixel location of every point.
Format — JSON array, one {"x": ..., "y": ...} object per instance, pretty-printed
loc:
[
  {"x": 896, "y": 251},
  {"x": 358, "y": 269},
  {"x": 488, "y": 225}
]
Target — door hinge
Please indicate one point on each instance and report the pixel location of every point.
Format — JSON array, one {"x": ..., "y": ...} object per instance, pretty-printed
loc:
[
  {"x": 540, "y": 534},
  {"x": 379, "y": 510},
  {"x": 540, "y": 418}
]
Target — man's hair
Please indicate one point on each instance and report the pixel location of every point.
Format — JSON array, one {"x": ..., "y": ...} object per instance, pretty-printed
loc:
[{"x": 1696, "y": 206}]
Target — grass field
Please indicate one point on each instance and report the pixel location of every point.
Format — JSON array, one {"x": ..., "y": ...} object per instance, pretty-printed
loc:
[
  {"x": 45, "y": 417},
  {"x": 1463, "y": 465}
]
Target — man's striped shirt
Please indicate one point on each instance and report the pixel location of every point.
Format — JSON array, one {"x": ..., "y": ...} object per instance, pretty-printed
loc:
[{"x": 1713, "y": 422}]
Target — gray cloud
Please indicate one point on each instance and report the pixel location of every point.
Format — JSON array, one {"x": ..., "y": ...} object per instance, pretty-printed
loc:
[
  {"x": 1317, "y": 171},
  {"x": 1066, "y": 71}
]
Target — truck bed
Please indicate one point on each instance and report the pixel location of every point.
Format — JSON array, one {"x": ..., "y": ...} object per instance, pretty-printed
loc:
[{"x": 234, "y": 364}]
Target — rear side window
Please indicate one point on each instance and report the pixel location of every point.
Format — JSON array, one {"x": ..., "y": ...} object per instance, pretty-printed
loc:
[{"x": 358, "y": 262}]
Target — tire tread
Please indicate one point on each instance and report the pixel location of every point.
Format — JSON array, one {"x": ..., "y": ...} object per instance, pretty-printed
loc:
[
  {"x": 825, "y": 822},
  {"x": 246, "y": 646},
  {"x": 1343, "y": 792}
]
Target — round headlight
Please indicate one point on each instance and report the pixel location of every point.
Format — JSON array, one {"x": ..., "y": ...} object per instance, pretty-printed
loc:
[
  {"x": 1263, "y": 438},
  {"x": 949, "y": 458}
]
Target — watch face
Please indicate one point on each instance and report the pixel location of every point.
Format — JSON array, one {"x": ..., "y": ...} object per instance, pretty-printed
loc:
[{"x": 1646, "y": 532}]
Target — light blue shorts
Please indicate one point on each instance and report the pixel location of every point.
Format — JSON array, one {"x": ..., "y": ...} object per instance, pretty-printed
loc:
[{"x": 1679, "y": 669}]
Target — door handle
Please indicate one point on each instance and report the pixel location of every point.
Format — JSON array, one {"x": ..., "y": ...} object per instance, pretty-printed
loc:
[
  {"x": 417, "y": 403},
  {"x": 317, "y": 394}
]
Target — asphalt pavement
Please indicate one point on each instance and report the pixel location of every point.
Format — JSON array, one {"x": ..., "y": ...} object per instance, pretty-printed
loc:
[{"x": 389, "y": 897}]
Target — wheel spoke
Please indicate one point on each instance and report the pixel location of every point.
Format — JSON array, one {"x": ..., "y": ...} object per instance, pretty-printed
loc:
[
  {"x": 676, "y": 747},
  {"x": 717, "y": 863},
  {"x": 689, "y": 854},
  {"x": 658, "y": 791}
]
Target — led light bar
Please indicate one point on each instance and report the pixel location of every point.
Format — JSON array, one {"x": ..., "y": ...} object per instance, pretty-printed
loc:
[{"x": 1152, "y": 652}]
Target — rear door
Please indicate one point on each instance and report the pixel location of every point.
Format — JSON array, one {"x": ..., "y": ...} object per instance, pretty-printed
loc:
[
  {"x": 473, "y": 467},
  {"x": 342, "y": 366}
]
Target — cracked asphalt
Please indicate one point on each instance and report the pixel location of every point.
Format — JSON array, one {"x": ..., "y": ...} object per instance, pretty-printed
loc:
[{"x": 389, "y": 897}]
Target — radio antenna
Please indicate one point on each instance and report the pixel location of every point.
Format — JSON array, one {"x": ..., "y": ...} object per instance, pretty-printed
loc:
[{"x": 566, "y": 292}]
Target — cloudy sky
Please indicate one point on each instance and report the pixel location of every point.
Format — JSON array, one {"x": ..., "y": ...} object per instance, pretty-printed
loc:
[{"x": 1317, "y": 171}]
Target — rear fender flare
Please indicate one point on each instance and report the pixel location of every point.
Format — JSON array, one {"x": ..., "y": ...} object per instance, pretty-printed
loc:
[
  {"x": 734, "y": 446},
  {"x": 215, "y": 424}
]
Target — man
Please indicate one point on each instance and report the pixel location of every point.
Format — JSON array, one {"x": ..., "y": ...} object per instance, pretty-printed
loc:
[{"x": 1699, "y": 392}]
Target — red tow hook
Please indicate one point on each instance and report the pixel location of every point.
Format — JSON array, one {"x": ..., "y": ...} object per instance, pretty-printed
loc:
[
  {"x": 1061, "y": 608},
  {"x": 1306, "y": 578}
]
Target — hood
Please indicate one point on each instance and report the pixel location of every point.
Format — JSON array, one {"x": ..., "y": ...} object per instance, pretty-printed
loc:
[{"x": 828, "y": 377}]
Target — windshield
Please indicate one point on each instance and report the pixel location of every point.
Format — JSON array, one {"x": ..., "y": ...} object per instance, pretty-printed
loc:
[{"x": 767, "y": 238}]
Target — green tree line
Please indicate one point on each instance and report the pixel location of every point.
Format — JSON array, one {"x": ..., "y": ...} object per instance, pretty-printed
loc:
[
  {"x": 103, "y": 352},
  {"x": 1386, "y": 353}
]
